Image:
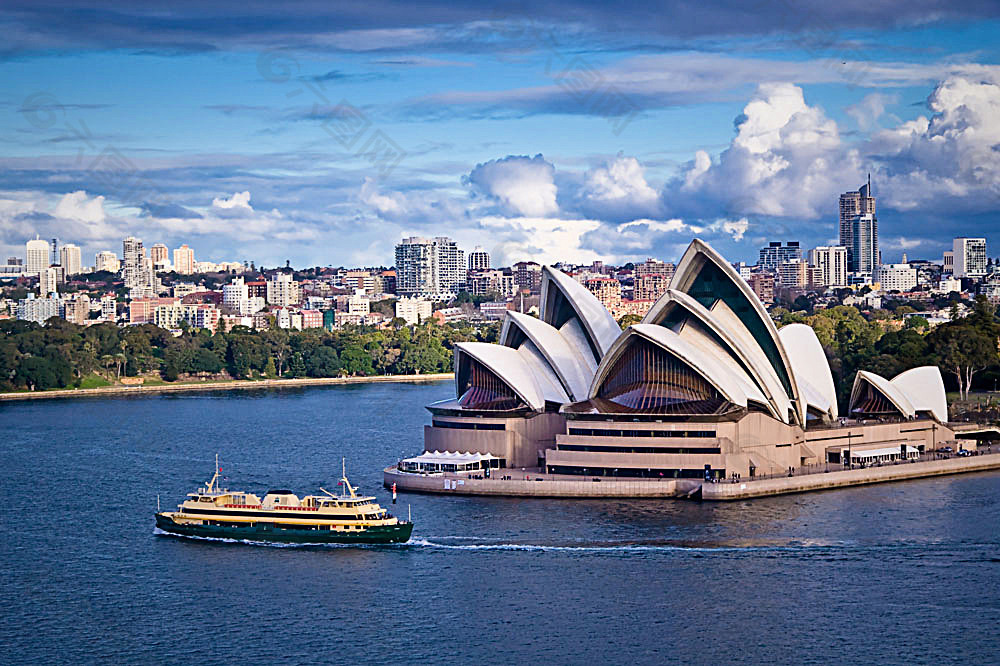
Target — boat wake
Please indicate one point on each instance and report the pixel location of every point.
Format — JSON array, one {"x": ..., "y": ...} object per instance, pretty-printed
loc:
[{"x": 602, "y": 547}]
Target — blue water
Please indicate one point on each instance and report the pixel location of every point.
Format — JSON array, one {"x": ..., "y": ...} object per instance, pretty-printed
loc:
[{"x": 899, "y": 573}]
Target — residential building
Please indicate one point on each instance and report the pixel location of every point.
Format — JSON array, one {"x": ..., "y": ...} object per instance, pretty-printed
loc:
[
  {"x": 948, "y": 285},
  {"x": 257, "y": 288},
  {"x": 863, "y": 255},
  {"x": 650, "y": 286},
  {"x": 413, "y": 310},
  {"x": 311, "y": 319},
  {"x": 970, "y": 257},
  {"x": 775, "y": 253},
  {"x": 140, "y": 310},
  {"x": 159, "y": 253},
  {"x": 184, "y": 260},
  {"x": 763, "y": 286},
  {"x": 491, "y": 281},
  {"x": 527, "y": 275},
  {"x": 607, "y": 290},
  {"x": 133, "y": 264},
  {"x": 852, "y": 206},
  {"x": 479, "y": 259},
  {"x": 653, "y": 266},
  {"x": 105, "y": 260},
  {"x": 69, "y": 259},
  {"x": 283, "y": 290},
  {"x": 638, "y": 307},
  {"x": 38, "y": 310},
  {"x": 77, "y": 310},
  {"x": 449, "y": 315},
  {"x": 494, "y": 309},
  {"x": 896, "y": 277},
  {"x": 36, "y": 256},
  {"x": 197, "y": 315},
  {"x": 236, "y": 296},
  {"x": 182, "y": 289},
  {"x": 429, "y": 268},
  {"x": 832, "y": 264},
  {"x": 109, "y": 307},
  {"x": 793, "y": 274},
  {"x": 743, "y": 269},
  {"x": 48, "y": 279}
]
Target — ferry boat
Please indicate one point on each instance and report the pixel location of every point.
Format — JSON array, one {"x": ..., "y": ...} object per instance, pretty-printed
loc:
[{"x": 284, "y": 517}]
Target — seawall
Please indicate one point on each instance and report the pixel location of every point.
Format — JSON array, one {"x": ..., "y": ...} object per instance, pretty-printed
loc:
[
  {"x": 449, "y": 484},
  {"x": 845, "y": 478},
  {"x": 117, "y": 391}
]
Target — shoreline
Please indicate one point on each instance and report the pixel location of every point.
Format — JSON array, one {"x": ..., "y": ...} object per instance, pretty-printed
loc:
[
  {"x": 237, "y": 384},
  {"x": 543, "y": 485}
]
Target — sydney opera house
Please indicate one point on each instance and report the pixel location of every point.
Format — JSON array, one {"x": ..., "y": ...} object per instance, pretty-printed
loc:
[{"x": 705, "y": 386}]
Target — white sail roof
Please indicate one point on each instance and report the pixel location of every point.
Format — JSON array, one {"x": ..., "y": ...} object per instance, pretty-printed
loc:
[
  {"x": 886, "y": 388},
  {"x": 531, "y": 384},
  {"x": 924, "y": 388},
  {"x": 810, "y": 367},
  {"x": 600, "y": 327},
  {"x": 706, "y": 276},
  {"x": 566, "y": 360},
  {"x": 738, "y": 341}
]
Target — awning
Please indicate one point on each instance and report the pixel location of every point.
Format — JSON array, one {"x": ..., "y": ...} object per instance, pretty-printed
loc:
[
  {"x": 450, "y": 457},
  {"x": 887, "y": 451}
]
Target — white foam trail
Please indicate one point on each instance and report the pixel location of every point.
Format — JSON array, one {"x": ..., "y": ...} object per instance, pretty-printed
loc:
[{"x": 609, "y": 548}]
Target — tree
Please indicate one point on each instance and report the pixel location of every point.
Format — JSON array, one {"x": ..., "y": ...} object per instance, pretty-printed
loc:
[
  {"x": 963, "y": 351},
  {"x": 628, "y": 320},
  {"x": 323, "y": 362},
  {"x": 36, "y": 373},
  {"x": 269, "y": 370},
  {"x": 296, "y": 366},
  {"x": 356, "y": 361}
]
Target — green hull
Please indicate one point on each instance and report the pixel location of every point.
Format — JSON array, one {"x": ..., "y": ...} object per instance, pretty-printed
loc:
[{"x": 380, "y": 534}]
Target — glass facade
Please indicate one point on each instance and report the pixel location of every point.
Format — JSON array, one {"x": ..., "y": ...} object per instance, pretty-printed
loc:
[
  {"x": 482, "y": 389},
  {"x": 646, "y": 378}
]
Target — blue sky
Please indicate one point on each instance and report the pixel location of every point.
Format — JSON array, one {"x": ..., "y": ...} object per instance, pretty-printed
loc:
[{"x": 322, "y": 133}]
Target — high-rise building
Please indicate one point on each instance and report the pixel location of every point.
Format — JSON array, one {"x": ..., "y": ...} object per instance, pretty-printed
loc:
[
  {"x": 184, "y": 260},
  {"x": 608, "y": 291},
  {"x": 852, "y": 206},
  {"x": 159, "y": 252},
  {"x": 429, "y": 268},
  {"x": 133, "y": 265},
  {"x": 762, "y": 285},
  {"x": 236, "y": 296},
  {"x": 479, "y": 259},
  {"x": 77, "y": 310},
  {"x": 48, "y": 278},
  {"x": 650, "y": 287},
  {"x": 775, "y": 253},
  {"x": 970, "y": 257},
  {"x": 36, "y": 256},
  {"x": 69, "y": 258},
  {"x": 283, "y": 290},
  {"x": 793, "y": 274},
  {"x": 832, "y": 264},
  {"x": 105, "y": 260},
  {"x": 528, "y": 275},
  {"x": 413, "y": 310},
  {"x": 863, "y": 256},
  {"x": 109, "y": 307}
]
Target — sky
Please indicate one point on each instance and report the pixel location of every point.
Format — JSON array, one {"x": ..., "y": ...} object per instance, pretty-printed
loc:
[{"x": 322, "y": 132}]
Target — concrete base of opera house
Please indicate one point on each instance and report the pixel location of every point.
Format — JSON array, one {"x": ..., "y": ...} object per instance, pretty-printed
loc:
[{"x": 533, "y": 483}]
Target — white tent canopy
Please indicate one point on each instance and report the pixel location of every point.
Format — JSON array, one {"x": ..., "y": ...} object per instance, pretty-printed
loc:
[{"x": 450, "y": 461}]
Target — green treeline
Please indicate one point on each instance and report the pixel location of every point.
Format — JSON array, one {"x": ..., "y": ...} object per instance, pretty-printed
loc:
[{"x": 61, "y": 354}]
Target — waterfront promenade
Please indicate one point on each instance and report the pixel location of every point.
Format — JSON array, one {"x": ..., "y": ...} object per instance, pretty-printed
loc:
[
  {"x": 534, "y": 483},
  {"x": 240, "y": 384}
]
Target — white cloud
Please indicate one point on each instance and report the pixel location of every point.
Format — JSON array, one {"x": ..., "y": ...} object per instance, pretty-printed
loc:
[
  {"x": 76, "y": 206},
  {"x": 238, "y": 200},
  {"x": 545, "y": 240},
  {"x": 523, "y": 185},
  {"x": 618, "y": 189},
  {"x": 869, "y": 110}
]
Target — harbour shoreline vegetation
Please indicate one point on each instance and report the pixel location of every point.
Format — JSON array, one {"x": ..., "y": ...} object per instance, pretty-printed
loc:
[{"x": 61, "y": 355}]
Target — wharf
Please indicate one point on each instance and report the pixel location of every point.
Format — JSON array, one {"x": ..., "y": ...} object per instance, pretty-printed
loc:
[{"x": 538, "y": 484}]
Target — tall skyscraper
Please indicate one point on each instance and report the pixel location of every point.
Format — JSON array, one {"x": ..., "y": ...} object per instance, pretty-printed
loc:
[
  {"x": 852, "y": 206},
  {"x": 864, "y": 251},
  {"x": 775, "y": 253},
  {"x": 479, "y": 259},
  {"x": 106, "y": 260},
  {"x": 133, "y": 266},
  {"x": 429, "y": 268},
  {"x": 36, "y": 256},
  {"x": 69, "y": 258},
  {"x": 184, "y": 260},
  {"x": 969, "y": 256},
  {"x": 832, "y": 265}
]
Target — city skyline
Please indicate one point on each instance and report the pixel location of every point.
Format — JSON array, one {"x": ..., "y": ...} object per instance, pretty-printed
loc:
[{"x": 325, "y": 137}]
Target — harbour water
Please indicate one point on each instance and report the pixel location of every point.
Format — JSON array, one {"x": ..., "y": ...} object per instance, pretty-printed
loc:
[{"x": 896, "y": 573}]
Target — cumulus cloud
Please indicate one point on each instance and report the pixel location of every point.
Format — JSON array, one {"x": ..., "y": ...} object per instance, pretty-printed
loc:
[
  {"x": 950, "y": 160},
  {"x": 240, "y": 200},
  {"x": 523, "y": 185},
  {"x": 618, "y": 190},
  {"x": 869, "y": 110},
  {"x": 76, "y": 206},
  {"x": 786, "y": 160},
  {"x": 541, "y": 239}
]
